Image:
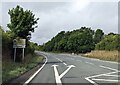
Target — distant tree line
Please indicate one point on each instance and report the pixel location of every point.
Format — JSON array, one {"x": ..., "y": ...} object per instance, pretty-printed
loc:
[
  {"x": 78, "y": 41},
  {"x": 82, "y": 40}
]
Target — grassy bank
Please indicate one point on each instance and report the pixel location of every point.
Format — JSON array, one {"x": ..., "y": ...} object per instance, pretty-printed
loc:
[
  {"x": 12, "y": 69},
  {"x": 104, "y": 55}
]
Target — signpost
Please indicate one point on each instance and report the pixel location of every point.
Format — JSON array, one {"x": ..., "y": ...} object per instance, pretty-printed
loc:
[{"x": 21, "y": 43}]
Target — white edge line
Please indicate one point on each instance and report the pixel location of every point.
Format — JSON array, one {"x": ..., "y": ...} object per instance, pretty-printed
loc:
[
  {"x": 36, "y": 72},
  {"x": 95, "y": 59}
]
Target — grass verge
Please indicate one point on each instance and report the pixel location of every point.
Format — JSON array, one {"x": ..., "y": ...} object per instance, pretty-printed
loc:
[
  {"x": 12, "y": 69},
  {"x": 104, "y": 55}
]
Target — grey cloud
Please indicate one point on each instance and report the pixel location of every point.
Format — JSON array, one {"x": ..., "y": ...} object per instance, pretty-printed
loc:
[{"x": 58, "y": 16}]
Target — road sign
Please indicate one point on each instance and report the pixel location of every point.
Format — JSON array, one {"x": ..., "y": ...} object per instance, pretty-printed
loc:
[{"x": 19, "y": 43}]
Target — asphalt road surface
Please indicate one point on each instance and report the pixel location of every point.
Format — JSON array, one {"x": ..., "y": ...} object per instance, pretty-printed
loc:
[{"x": 65, "y": 68}]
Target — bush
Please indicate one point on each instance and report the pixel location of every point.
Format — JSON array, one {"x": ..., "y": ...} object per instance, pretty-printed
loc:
[
  {"x": 30, "y": 48},
  {"x": 7, "y": 46}
]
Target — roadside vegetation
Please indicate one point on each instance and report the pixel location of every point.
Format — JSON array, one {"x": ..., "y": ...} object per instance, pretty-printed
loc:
[
  {"x": 11, "y": 70},
  {"x": 107, "y": 49},
  {"x": 104, "y": 55},
  {"x": 76, "y": 41},
  {"x": 22, "y": 24},
  {"x": 90, "y": 43},
  {"x": 82, "y": 40}
]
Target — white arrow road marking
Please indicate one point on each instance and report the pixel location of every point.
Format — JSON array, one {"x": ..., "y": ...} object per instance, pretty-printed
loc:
[
  {"x": 69, "y": 67},
  {"x": 56, "y": 74},
  {"x": 57, "y": 77}
]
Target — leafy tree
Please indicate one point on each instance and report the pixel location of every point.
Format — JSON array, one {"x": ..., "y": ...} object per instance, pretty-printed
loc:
[
  {"x": 98, "y": 36},
  {"x": 52, "y": 45},
  {"x": 77, "y": 41},
  {"x": 35, "y": 44},
  {"x": 22, "y": 22},
  {"x": 111, "y": 42}
]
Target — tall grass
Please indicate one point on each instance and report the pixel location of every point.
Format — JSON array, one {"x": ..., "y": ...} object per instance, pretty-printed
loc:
[
  {"x": 104, "y": 55},
  {"x": 12, "y": 69}
]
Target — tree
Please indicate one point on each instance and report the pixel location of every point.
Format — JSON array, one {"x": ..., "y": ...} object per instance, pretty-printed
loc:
[
  {"x": 98, "y": 36},
  {"x": 77, "y": 41},
  {"x": 111, "y": 42},
  {"x": 22, "y": 22},
  {"x": 111, "y": 33},
  {"x": 35, "y": 44}
]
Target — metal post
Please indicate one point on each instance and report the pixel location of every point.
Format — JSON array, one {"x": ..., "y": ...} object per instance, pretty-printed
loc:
[
  {"x": 23, "y": 55},
  {"x": 14, "y": 54}
]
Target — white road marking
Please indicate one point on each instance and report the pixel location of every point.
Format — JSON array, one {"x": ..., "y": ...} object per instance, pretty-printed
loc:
[
  {"x": 28, "y": 81},
  {"x": 65, "y": 64},
  {"x": 57, "y": 77},
  {"x": 108, "y": 68},
  {"x": 91, "y": 78},
  {"x": 73, "y": 56},
  {"x": 59, "y": 59},
  {"x": 72, "y": 59},
  {"x": 110, "y": 62},
  {"x": 113, "y": 75},
  {"x": 106, "y": 80},
  {"x": 91, "y": 81},
  {"x": 79, "y": 60},
  {"x": 69, "y": 67},
  {"x": 102, "y": 74},
  {"x": 90, "y": 63},
  {"x": 99, "y": 60}
]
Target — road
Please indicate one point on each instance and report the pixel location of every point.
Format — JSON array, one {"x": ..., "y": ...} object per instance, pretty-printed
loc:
[{"x": 72, "y": 69}]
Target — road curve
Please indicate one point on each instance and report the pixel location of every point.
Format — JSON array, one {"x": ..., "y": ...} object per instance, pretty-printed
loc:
[{"x": 70, "y": 69}]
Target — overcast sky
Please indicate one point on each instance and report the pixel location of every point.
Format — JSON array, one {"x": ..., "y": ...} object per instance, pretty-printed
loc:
[{"x": 58, "y": 16}]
